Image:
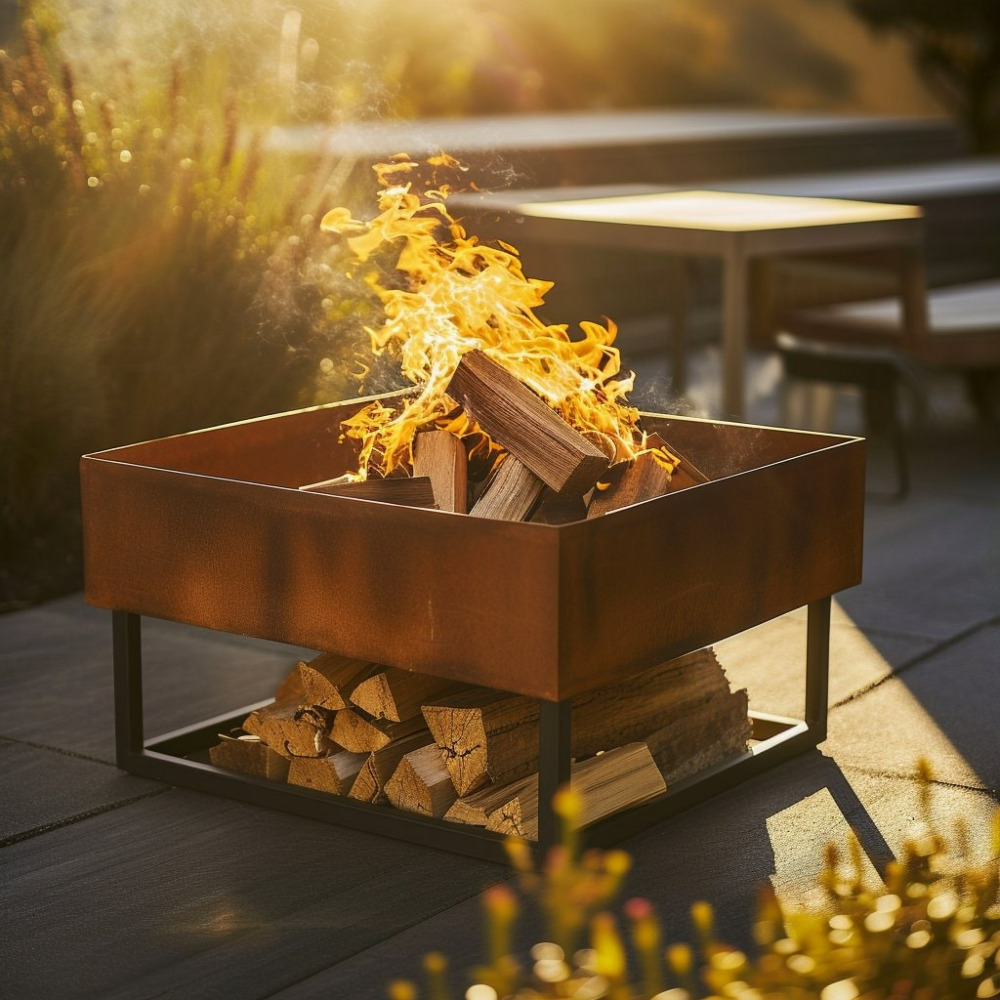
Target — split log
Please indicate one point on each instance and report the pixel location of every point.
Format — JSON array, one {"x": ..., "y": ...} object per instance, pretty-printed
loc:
[
  {"x": 441, "y": 457},
  {"x": 493, "y": 736},
  {"x": 326, "y": 681},
  {"x": 685, "y": 473},
  {"x": 486, "y": 735},
  {"x": 359, "y": 734},
  {"x": 618, "y": 779},
  {"x": 291, "y": 689},
  {"x": 556, "y": 508},
  {"x": 396, "y": 695},
  {"x": 334, "y": 774},
  {"x": 718, "y": 730},
  {"x": 642, "y": 479},
  {"x": 421, "y": 783},
  {"x": 407, "y": 491},
  {"x": 290, "y": 729},
  {"x": 475, "y": 809},
  {"x": 369, "y": 785},
  {"x": 525, "y": 425},
  {"x": 645, "y": 479},
  {"x": 249, "y": 755},
  {"x": 511, "y": 493}
]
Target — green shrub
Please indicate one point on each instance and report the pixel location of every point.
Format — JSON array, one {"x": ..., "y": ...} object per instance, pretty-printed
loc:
[
  {"x": 931, "y": 932},
  {"x": 158, "y": 273}
]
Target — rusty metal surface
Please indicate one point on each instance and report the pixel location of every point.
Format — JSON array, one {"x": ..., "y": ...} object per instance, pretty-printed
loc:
[{"x": 209, "y": 529}]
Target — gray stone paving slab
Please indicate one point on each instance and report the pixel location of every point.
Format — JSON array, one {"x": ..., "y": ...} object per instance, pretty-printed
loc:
[
  {"x": 58, "y": 690},
  {"x": 964, "y": 465},
  {"x": 946, "y": 708},
  {"x": 931, "y": 568},
  {"x": 41, "y": 788},
  {"x": 769, "y": 661},
  {"x": 186, "y": 895}
]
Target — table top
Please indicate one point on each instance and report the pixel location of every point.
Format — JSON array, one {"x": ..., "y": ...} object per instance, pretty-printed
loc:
[{"x": 718, "y": 211}]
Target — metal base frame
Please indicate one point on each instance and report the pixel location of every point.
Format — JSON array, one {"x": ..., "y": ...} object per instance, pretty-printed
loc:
[{"x": 165, "y": 758}]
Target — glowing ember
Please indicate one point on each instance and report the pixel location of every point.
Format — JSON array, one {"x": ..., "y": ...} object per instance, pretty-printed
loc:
[{"x": 459, "y": 295}]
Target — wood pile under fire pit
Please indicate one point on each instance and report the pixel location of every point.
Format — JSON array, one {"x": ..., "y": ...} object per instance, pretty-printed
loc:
[{"x": 470, "y": 754}]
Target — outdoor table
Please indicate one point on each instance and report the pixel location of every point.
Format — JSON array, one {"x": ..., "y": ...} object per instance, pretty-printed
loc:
[{"x": 737, "y": 228}]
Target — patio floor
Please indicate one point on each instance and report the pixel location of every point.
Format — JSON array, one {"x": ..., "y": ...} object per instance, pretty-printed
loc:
[{"x": 120, "y": 887}]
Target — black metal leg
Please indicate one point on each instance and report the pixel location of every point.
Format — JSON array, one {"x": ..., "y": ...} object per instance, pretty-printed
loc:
[
  {"x": 127, "y": 651},
  {"x": 818, "y": 667},
  {"x": 553, "y": 766}
]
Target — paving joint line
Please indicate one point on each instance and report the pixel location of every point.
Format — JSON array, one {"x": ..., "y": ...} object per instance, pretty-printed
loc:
[
  {"x": 62, "y": 750},
  {"x": 378, "y": 944},
  {"x": 917, "y": 659},
  {"x": 912, "y": 776},
  {"x": 37, "y": 831}
]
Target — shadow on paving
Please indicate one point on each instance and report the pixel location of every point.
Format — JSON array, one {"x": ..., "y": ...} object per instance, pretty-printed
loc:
[{"x": 932, "y": 573}]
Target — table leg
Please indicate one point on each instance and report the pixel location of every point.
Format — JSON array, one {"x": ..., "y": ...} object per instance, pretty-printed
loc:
[
  {"x": 913, "y": 294},
  {"x": 735, "y": 291},
  {"x": 678, "y": 276}
]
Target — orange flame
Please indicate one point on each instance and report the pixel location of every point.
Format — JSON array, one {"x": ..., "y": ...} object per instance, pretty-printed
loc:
[{"x": 460, "y": 295}]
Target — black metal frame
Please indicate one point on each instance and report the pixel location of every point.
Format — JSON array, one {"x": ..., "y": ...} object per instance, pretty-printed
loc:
[{"x": 163, "y": 758}]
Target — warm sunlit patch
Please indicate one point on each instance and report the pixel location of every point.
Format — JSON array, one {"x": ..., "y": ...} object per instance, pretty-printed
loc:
[{"x": 454, "y": 295}]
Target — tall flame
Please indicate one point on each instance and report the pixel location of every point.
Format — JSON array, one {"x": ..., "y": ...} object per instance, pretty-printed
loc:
[{"x": 460, "y": 295}]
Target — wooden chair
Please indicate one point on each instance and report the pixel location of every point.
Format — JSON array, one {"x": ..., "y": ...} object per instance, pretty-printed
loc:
[{"x": 877, "y": 344}]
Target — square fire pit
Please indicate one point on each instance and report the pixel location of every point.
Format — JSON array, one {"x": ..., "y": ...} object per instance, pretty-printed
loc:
[{"x": 210, "y": 529}]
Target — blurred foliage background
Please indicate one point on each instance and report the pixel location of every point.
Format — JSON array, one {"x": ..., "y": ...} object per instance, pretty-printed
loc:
[
  {"x": 375, "y": 58},
  {"x": 161, "y": 269},
  {"x": 158, "y": 273}
]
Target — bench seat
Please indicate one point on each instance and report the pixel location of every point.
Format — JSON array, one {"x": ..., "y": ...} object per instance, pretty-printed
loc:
[{"x": 963, "y": 326}]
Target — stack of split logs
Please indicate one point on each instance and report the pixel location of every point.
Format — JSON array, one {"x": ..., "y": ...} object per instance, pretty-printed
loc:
[
  {"x": 547, "y": 471},
  {"x": 470, "y": 754}
]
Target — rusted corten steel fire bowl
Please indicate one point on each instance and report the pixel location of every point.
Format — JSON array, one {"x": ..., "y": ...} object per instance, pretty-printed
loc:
[{"x": 210, "y": 529}]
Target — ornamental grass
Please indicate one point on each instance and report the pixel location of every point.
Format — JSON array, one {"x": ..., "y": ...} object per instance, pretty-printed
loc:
[
  {"x": 929, "y": 931},
  {"x": 159, "y": 271}
]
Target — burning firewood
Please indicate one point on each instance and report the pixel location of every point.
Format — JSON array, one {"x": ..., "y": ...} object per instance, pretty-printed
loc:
[
  {"x": 555, "y": 508},
  {"x": 408, "y": 491},
  {"x": 490, "y": 736},
  {"x": 369, "y": 785},
  {"x": 356, "y": 732},
  {"x": 396, "y": 695},
  {"x": 290, "y": 729},
  {"x": 644, "y": 479},
  {"x": 511, "y": 493},
  {"x": 525, "y": 425},
  {"x": 618, "y": 779},
  {"x": 441, "y": 457},
  {"x": 249, "y": 755},
  {"x": 334, "y": 774},
  {"x": 421, "y": 783}
]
